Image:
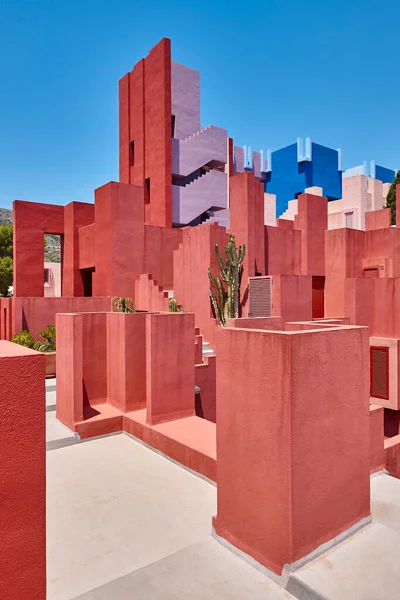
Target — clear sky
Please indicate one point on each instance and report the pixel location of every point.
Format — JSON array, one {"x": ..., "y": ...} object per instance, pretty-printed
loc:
[{"x": 271, "y": 71}]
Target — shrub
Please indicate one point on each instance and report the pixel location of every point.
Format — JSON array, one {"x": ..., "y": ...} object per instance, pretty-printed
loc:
[
  {"x": 24, "y": 339},
  {"x": 49, "y": 340},
  {"x": 123, "y": 305}
]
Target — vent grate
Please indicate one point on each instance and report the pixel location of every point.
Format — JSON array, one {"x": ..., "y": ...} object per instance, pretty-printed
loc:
[
  {"x": 379, "y": 357},
  {"x": 260, "y": 296}
]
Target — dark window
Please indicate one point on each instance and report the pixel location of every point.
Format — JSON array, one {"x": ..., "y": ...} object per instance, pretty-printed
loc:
[
  {"x": 147, "y": 190},
  {"x": 47, "y": 276},
  {"x": 173, "y": 126},
  {"x": 87, "y": 280},
  {"x": 132, "y": 154}
]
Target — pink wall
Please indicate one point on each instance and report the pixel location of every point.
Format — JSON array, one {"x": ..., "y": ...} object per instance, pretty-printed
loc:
[
  {"x": 35, "y": 314},
  {"x": 378, "y": 219},
  {"x": 285, "y": 459},
  {"x": 76, "y": 215},
  {"x": 312, "y": 222},
  {"x": 160, "y": 243},
  {"x": 205, "y": 378},
  {"x": 292, "y": 297},
  {"x": 376, "y": 439},
  {"x": 191, "y": 282},
  {"x": 246, "y": 203},
  {"x": 282, "y": 251},
  {"x": 268, "y": 323},
  {"x": 87, "y": 258},
  {"x": 169, "y": 366},
  {"x": 149, "y": 295},
  {"x": 126, "y": 361},
  {"x": 22, "y": 473}
]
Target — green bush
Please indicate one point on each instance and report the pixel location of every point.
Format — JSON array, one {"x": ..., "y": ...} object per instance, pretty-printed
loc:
[
  {"x": 24, "y": 339},
  {"x": 49, "y": 340}
]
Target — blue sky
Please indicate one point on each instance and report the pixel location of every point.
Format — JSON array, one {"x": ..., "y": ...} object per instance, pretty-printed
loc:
[{"x": 271, "y": 71}]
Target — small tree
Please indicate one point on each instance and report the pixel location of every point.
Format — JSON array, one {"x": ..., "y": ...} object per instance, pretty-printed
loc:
[
  {"x": 391, "y": 197},
  {"x": 6, "y": 259}
]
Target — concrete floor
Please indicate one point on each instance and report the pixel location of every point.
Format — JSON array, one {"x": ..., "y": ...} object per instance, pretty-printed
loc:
[{"x": 124, "y": 523}]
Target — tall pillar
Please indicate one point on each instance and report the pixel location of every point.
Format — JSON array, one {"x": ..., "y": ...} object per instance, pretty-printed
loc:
[
  {"x": 292, "y": 439},
  {"x": 22, "y": 473},
  {"x": 247, "y": 224},
  {"x": 119, "y": 239},
  {"x": 76, "y": 215}
]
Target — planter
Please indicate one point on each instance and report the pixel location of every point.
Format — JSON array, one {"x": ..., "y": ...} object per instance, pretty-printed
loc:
[{"x": 50, "y": 364}]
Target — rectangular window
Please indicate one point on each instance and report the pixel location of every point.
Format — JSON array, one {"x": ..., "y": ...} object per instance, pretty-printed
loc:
[
  {"x": 147, "y": 190},
  {"x": 349, "y": 220},
  {"x": 172, "y": 125},
  {"x": 379, "y": 372},
  {"x": 47, "y": 276},
  {"x": 132, "y": 154}
]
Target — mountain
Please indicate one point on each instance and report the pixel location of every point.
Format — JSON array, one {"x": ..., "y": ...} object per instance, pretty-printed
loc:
[{"x": 52, "y": 252}]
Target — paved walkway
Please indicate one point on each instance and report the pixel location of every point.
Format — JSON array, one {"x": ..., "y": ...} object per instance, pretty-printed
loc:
[{"x": 125, "y": 523}]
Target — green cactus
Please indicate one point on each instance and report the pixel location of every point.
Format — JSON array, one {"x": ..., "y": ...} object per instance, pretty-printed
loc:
[
  {"x": 173, "y": 306},
  {"x": 228, "y": 302},
  {"x": 123, "y": 305}
]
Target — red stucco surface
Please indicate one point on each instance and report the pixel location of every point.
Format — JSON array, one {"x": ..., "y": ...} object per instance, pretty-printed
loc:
[{"x": 22, "y": 473}]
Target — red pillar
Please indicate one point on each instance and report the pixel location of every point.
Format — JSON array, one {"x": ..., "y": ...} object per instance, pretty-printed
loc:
[
  {"x": 119, "y": 241},
  {"x": 69, "y": 357},
  {"x": 293, "y": 448},
  {"x": 246, "y": 201},
  {"x": 312, "y": 220},
  {"x": 170, "y": 366},
  {"x": 76, "y": 215},
  {"x": 126, "y": 361},
  {"x": 22, "y": 473},
  {"x": 145, "y": 132}
]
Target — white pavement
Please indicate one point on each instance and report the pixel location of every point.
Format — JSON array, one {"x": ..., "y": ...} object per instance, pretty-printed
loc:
[{"x": 125, "y": 523}]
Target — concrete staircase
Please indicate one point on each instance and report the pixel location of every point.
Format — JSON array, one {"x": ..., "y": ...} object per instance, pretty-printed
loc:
[{"x": 207, "y": 351}]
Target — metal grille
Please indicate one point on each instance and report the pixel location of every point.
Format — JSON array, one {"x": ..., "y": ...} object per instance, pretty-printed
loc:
[
  {"x": 260, "y": 296},
  {"x": 379, "y": 357}
]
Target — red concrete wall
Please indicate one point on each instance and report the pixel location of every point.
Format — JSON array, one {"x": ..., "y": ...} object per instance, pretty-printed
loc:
[
  {"x": 376, "y": 440},
  {"x": 191, "y": 282},
  {"x": 145, "y": 119},
  {"x": 285, "y": 459},
  {"x": 87, "y": 258},
  {"x": 76, "y": 215},
  {"x": 149, "y": 295},
  {"x": 246, "y": 203},
  {"x": 378, "y": 219},
  {"x": 282, "y": 251},
  {"x": 292, "y": 297},
  {"x": 343, "y": 258},
  {"x": 34, "y": 314},
  {"x": 392, "y": 453},
  {"x": 126, "y": 361},
  {"x": 312, "y": 221},
  {"x": 205, "y": 378},
  {"x": 384, "y": 243},
  {"x": 6, "y": 320},
  {"x": 94, "y": 356},
  {"x": 268, "y": 323},
  {"x": 159, "y": 246},
  {"x": 22, "y": 473},
  {"x": 119, "y": 243},
  {"x": 170, "y": 366},
  {"x": 31, "y": 220},
  {"x": 69, "y": 367}
]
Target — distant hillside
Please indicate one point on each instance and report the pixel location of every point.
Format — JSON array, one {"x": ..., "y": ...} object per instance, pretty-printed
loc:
[{"x": 52, "y": 252}]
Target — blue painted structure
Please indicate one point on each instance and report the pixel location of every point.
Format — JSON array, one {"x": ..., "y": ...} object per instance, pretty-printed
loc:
[
  {"x": 371, "y": 169},
  {"x": 302, "y": 165}
]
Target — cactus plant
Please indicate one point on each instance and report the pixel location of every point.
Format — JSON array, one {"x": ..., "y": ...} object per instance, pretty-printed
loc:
[
  {"x": 173, "y": 306},
  {"x": 226, "y": 306},
  {"x": 124, "y": 305}
]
